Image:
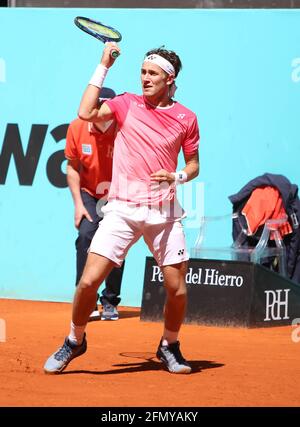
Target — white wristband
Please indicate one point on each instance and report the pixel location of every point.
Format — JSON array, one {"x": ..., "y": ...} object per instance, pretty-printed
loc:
[
  {"x": 99, "y": 76},
  {"x": 180, "y": 177}
]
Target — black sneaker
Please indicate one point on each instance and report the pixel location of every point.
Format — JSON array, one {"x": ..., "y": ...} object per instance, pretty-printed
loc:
[
  {"x": 171, "y": 356},
  {"x": 59, "y": 360}
]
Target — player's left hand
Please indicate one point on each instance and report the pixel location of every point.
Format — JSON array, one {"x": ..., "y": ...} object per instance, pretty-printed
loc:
[
  {"x": 107, "y": 59},
  {"x": 162, "y": 176}
]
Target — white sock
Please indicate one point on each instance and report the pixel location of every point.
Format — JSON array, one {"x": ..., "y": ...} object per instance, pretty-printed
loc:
[
  {"x": 169, "y": 337},
  {"x": 76, "y": 334}
]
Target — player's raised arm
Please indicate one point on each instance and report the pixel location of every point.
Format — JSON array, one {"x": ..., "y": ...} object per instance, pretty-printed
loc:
[{"x": 89, "y": 108}]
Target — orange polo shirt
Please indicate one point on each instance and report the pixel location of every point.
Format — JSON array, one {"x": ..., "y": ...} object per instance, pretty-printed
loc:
[{"x": 94, "y": 150}]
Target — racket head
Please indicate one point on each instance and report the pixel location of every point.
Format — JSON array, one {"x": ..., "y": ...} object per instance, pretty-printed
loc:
[{"x": 96, "y": 29}]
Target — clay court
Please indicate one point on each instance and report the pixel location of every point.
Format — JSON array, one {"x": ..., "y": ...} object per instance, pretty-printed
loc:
[{"x": 231, "y": 366}]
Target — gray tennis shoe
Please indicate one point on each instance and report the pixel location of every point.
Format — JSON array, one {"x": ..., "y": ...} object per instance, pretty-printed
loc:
[
  {"x": 59, "y": 360},
  {"x": 109, "y": 312}
]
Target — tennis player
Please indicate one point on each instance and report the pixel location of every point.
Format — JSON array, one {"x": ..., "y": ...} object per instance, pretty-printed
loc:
[{"x": 153, "y": 128}]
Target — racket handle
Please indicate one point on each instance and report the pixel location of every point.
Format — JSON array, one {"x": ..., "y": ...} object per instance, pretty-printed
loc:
[{"x": 114, "y": 54}]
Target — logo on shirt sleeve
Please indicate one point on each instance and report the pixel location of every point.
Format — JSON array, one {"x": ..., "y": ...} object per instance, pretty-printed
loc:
[{"x": 86, "y": 149}]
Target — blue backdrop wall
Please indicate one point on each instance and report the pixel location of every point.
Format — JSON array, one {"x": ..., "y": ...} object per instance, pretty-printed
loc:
[{"x": 241, "y": 75}]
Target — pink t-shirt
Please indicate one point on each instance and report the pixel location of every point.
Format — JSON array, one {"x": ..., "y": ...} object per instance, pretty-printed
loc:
[{"x": 149, "y": 139}]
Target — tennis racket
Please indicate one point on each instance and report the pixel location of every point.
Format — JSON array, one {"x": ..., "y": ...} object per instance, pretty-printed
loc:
[{"x": 100, "y": 31}]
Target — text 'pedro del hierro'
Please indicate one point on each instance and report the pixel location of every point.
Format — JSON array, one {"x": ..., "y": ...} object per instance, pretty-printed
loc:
[{"x": 203, "y": 276}]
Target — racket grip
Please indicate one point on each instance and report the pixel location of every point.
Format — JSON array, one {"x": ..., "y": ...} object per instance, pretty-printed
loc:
[{"x": 114, "y": 54}]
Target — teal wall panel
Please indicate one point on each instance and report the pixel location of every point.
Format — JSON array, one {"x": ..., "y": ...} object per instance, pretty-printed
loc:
[{"x": 241, "y": 75}]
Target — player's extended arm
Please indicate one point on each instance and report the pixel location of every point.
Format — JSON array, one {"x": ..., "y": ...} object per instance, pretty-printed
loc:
[
  {"x": 73, "y": 179},
  {"x": 89, "y": 108}
]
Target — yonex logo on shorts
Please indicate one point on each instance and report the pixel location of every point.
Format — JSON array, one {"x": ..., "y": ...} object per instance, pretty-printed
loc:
[
  {"x": 181, "y": 252},
  {"x": 86, "y": 149}
]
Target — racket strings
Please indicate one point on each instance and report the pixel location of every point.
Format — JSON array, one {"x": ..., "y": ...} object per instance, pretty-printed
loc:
[{"x": 102, "y": 30}]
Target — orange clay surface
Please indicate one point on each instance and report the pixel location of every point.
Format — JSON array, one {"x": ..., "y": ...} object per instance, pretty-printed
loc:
[{"x": 231, "y": 366}]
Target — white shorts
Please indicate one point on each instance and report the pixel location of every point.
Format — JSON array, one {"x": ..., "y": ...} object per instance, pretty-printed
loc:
[{"x": 124, "y": 224}]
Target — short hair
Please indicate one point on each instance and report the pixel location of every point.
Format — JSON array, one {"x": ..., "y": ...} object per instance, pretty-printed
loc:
[{"x": 169, "y": 55}]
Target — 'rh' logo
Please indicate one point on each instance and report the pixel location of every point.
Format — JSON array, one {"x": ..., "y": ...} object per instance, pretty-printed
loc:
[{"x": 275, "y": 303}]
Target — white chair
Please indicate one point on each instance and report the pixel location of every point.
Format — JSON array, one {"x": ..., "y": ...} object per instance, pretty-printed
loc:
[{"x": 215, "y": 228}]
